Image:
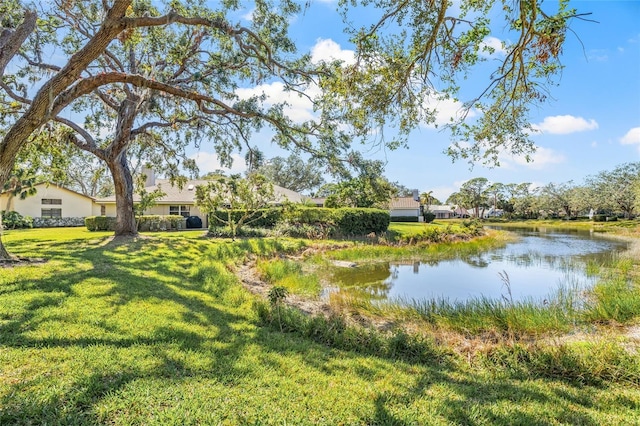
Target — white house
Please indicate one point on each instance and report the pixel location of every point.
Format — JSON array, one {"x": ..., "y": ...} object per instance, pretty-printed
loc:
[
  {"x": 442, "y": 211},
  {"x": 448, "y": 211},
  {"x": 51, "y": 202},
  {"x": 179, "y": 200},
  {"x": 404, "y": 207},
  {"x": 55, "y": 205}
]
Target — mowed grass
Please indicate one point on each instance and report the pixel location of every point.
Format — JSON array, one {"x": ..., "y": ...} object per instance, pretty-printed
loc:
[{"x": 159, "y": 331}]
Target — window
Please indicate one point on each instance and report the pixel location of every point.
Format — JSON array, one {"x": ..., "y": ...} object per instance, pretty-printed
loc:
[
  {"x": 103, "y": 210},
  {"x": 183, "y": 211},
  {"x": 56, "y": 201},
  {"x": 50, "y": 213}
]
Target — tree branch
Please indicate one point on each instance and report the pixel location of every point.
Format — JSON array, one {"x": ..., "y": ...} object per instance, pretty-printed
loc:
[
  {"x": 89, "y": 143},
  {"x": 12, "y": 40}
]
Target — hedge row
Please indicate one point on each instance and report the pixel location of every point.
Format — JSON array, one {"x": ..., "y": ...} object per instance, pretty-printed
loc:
[
  {"x": 337, "y": 222},
  {"x": 263, "y": 218},
  {"x": 145, "y": 223},
  {"x": 100, "y": 223},
  {"x": 361, "y": 221},
  {"x": 404, "y": 219}
]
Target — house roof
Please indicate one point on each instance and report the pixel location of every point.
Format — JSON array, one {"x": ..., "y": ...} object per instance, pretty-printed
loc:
[
  {"x": 441, "y": 208},
  {"x": 404, "y": 203},
  {"x": 187, "y": 193},
  {"x": 448, "y": 208},
  {"x": 54, "y": 185}
]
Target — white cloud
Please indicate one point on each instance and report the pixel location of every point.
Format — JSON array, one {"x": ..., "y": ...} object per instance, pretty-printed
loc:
[
  {"x": 446, "y": 109},
  {"x": 540, "y": 159},
  {"x": 598, "y": 55},
  {"x": 565, "y": 124},
  {"x": 299, "y": 108},
  {"x": 248, "y": 16},
  {"x": 494, "y": 43},
  {"x": 632, "y": 137},
  {"x": 209, "y": 162},
  {"x": 328, "y": 50}
]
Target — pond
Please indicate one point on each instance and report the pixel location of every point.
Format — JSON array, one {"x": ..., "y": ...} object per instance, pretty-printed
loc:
[{"x": 534, "y": 266}]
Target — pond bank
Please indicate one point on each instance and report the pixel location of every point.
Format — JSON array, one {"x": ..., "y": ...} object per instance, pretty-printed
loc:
[{"x": 461, "y": 326}]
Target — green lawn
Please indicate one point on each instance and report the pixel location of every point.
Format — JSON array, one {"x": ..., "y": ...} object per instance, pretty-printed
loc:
[{"x": 159, "y": 331}]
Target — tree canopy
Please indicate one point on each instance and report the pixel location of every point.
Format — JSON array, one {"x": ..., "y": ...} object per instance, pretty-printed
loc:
[
  {"x": 164, "y": 75},
  {"x": 413, "y": 55},
  {"x": 293, "y": 173}
]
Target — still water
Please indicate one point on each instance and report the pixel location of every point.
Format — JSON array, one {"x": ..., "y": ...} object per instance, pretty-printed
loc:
[{"x": 535, "y": 266}]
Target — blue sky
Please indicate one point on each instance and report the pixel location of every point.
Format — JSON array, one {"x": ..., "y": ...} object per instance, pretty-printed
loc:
[{"x": 592, "y": 122}]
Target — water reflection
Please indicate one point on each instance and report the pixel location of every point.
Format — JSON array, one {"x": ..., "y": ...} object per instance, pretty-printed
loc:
[{"x": 537, "y": 264}]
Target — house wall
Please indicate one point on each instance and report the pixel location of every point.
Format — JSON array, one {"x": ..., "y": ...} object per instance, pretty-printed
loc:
[
  {"x": 110, "y": 210},
  {"x": 404, "y": 212},
  {"x": 441, "y": 214},
  {"x": 72, "y": 204}
]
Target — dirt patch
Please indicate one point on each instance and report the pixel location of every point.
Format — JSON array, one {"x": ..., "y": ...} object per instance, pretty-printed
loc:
[{"x": 252, "y": 282}]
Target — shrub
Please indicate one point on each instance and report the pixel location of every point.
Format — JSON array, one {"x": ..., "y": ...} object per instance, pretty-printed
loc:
[
  {"x": 100, "y": 223},
  {"x": 318, "y": 231},
  {"x": 263, "y": 218},
  {"x": 145, "y": 223},
  {"x": 359, "y": 221},
  {"x": 14, "y": 220},
  {"x": 429, "y": 217},
  {"x": 308, "y": 215},
  {"x": 161, "y": 223},
  {"x": 245, "y": 231},
  {"x": 404, "y": 219}
]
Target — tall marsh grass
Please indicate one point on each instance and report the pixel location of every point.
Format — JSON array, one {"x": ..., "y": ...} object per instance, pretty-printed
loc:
[
  {"x": 289, "y": 275},
  {"x": 590, "y": 363}
]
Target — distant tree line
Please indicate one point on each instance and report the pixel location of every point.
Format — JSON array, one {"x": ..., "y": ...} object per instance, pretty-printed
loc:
[{"x": 614, "y": 193}]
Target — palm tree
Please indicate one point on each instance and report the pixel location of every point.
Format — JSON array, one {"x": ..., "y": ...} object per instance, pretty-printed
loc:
[{"x": 425, "y": 199}]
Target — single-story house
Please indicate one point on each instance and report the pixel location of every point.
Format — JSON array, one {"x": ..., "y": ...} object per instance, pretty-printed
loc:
[
  {"x": 55, "y": 205},
  {"x": 491, "y": 212},
  {"x": 448, "y": 211},
  {"x": 443, "y": 211},
  {"x": 404, "y": 207},
  {"x": 180, "y": 200},
  {"x": 50, "y": 205}
]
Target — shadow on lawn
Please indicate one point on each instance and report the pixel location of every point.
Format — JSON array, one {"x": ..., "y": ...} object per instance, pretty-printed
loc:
[{"x": 104, "y": 355}]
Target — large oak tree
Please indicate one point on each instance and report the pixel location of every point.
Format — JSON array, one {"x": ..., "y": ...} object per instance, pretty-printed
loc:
[
  {"x": 160, "y": 78},
  {"x": 152, "y": 70}
]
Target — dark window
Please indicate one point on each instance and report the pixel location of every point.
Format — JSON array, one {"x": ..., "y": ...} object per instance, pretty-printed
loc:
[
  {"x": 180, "y": 210},
  {"x": 51, "y": 213},
  {"x": 103, "y": 210},
  {"x": 56, "y": 201}
]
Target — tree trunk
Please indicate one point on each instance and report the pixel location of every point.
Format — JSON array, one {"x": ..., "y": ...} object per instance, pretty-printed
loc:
[
  {"x": 4, "y": 254},
  {"x": 123, "y": 183},
  {"x": 6, "y": 165}
]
